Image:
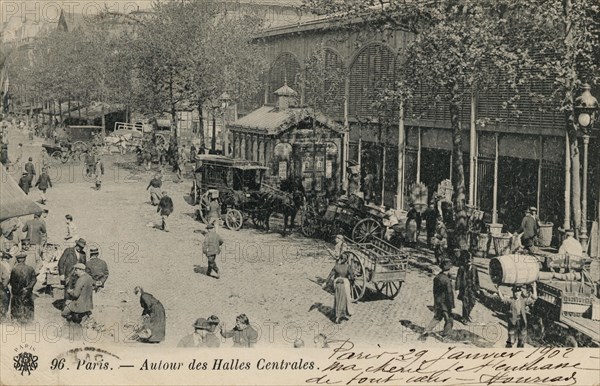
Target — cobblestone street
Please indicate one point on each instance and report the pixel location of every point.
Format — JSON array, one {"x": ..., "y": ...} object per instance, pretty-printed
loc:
[{"x": 274, "y": 280}]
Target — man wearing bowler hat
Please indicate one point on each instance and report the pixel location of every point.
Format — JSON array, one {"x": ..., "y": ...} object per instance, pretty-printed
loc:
[
  {"x": 97, "y": 269},
  {"x": 443, "y": 301},
  {"x": 22, "y": 280},
  {"x": 25, "y": 182},
  {"x": 211, "y": 248},
  {"x": 529, "y": 227},
  {"x": 80, "y": 308},
  {"x": 66, "y": 264}
]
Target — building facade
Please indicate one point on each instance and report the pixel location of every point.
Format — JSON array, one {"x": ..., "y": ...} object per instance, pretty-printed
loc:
[{"x": 510, "y": 162}]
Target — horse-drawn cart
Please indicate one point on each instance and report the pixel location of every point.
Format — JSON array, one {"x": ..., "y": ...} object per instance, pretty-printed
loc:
[
  {"x": 375, "y": 262},
  {"x": 66, "y": 151},
  {"x": 349, "y": 216},
  {"x": 238, "y": 183}
]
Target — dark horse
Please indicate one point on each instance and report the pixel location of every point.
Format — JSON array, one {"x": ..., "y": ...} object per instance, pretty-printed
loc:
[{"x": 288, "y": 204}]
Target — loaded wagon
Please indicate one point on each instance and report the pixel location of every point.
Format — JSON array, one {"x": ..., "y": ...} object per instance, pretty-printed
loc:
[
  {"x": 349, "y": 216},
  {"x": 378, "y": 263}
]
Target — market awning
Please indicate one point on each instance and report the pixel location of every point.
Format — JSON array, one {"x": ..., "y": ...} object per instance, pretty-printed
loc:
[{"x": 13, "y": 201}]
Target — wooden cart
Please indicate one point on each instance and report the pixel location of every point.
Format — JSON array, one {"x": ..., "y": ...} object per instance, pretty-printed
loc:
[{"x": 376, "y": 262}]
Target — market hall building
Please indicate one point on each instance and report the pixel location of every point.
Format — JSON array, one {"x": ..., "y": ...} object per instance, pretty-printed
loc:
[{"x": 510, "y": 162}]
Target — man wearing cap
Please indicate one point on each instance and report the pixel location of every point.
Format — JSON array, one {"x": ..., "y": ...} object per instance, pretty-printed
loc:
[
  {"x": 517, "y": 315},
  {"x": 22, "y": 280},
  {"x": 97, "y": 269},
  {"x": 155, "y": 192},
  {"x": 211, "y": 248},
  {"x": 203, "y": 335},
  {"x": 165, "y": 208},
  {"x": 36, "y": 230},
  {"x": 66, "y": 264},
  {"x": 5, "y": 270},
  {"x": 30, "y": 169},
  {"x": 443, "y": 301},
  {"x": 25, "y": 183},
  {"x": 529, "y": 227},
  {"x": 82, "y": 304}
]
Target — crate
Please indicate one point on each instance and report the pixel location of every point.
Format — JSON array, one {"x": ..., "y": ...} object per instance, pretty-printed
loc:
[{"x": 575, "y": 304}]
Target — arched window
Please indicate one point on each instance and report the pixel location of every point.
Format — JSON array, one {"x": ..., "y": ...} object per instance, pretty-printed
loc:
[
  {"x": 285, "y": 67},
  {"x": 324, "y": 77},
  {"x": 371, "y": 72}
]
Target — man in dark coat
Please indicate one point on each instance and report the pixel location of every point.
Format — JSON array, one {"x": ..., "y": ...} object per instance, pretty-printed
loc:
[
  {"x": 243, "y": 334},
  {"x": 165, "y": 208},
  {"x": 90, "y": 161},
  {"x": 25, "y": 183},
  {"x": 443, "y": 301},
  {"x": 5, "y": 270},
  {"x": 43, "y": 183},
  {"x": 203, "y": 335},
  {"x": 80, "y": 308},
  {"x": 22, "y": 280},
  {"x": 66, "y": 264},
  {"x": 211, "y": 248},
  {"x": 155, "y": 318},
  {"x": 30, "y": 169},
  {"x": 430, "y": 215},
  {"x": 36, "y": 230},
  {"x": 529, "y": 227},
  {"x": 467, "y": 285},
  {"x": 97, "y": 269}
]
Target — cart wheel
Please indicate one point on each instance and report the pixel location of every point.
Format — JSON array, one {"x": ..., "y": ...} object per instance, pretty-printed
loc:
[
  {"x": 366, "y": 229},
  {"x": 57, "y": 155},
  {"x": 64, "y": 157},
  {"x": 389, "y": 289},
  {"x": 308, "y": 222},
  {"x": 234, "y": 219},
  {"x": 203, "y": 210},
  {"x": 358, "y": 286},
  {"x": 160, "y": 140}
]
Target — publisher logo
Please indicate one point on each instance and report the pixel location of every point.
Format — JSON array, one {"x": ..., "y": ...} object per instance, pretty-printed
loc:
[{"x": 25, "y": 362}]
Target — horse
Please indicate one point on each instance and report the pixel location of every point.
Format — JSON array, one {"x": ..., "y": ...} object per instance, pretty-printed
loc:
[{"x": 286, "y": 204}]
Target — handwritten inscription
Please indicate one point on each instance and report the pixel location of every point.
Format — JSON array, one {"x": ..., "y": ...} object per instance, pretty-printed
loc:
[{"x": 348, "y": 366}]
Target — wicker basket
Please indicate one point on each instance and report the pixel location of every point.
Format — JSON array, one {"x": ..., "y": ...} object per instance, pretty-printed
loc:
[
  {"x": 502, "y": 243},
  {"x": 545, "y": 235},
  {"x": 495, "y": 229}
]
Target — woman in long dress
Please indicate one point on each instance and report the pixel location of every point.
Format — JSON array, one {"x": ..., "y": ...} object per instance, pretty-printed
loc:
[
  {"x": 341, "y": 274},
  {"x": 154, "y": 317}
]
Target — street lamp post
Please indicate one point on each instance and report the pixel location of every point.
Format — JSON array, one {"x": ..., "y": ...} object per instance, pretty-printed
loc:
[
  {"x": 221, "y": 104},
  {"x": 585, "y": 111}
]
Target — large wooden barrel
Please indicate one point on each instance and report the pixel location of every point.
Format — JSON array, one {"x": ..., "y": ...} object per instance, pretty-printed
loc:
[{"x": 514, "y": 269}]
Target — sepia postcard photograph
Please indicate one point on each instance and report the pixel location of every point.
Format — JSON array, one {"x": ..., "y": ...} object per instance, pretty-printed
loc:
[{"x": 300, "y": 192}]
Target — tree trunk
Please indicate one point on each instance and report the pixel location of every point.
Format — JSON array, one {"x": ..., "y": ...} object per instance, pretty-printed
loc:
[
  {"x": 201, "y": 122},
  {"x": 458, "y": 175}
]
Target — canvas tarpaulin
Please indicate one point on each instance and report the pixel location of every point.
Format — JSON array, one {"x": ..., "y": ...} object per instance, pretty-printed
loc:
[{"x": 13, "y": 201}]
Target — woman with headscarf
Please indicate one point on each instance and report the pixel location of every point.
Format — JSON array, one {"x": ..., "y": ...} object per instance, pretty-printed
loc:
[
  {"x": 341, "y": 274},
  {"x": 154, "y": 318}
]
